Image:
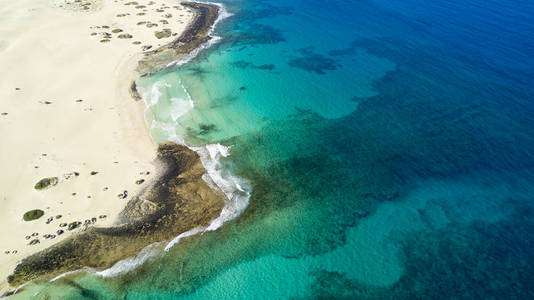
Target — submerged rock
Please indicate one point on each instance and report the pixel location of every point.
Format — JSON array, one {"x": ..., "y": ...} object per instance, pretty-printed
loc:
[{"x": 46, "y": 183}]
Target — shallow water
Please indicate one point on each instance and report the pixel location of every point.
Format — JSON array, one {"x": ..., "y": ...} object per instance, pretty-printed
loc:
[{"x": 388, "y": 146}]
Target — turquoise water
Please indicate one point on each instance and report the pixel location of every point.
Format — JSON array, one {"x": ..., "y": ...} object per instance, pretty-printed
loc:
[{"x": 388, "y": 146}]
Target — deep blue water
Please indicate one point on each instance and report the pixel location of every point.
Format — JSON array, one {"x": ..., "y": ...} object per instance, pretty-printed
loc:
[{"x": 389, "y": 146}]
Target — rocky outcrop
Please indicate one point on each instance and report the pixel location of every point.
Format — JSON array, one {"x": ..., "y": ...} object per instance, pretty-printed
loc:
[{"x": 194, "y": 35}]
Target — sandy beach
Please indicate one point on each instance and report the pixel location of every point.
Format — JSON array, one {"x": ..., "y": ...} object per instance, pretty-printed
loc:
[{"x": 67, "y": 112}]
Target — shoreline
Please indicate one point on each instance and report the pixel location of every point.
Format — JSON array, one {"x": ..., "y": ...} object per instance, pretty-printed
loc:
[
  {"x": 196, "y": 34},
  {"x": 149, "y": 209}
]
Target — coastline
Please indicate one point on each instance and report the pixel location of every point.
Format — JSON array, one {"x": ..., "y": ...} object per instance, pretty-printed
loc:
[{"x": 173, "y": 200}]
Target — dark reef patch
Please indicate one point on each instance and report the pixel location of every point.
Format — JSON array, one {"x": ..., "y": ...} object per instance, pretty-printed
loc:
[
  {"x": 245, "y": 64},
  {"x": 313, "y": 62},
  {"x": 473, "y": 262}
]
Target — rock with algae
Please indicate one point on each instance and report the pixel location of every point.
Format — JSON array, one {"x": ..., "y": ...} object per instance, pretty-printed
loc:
[
  {"x": 33, "y": 214},
  {"x": 165, "y": 33},
  {"x": 46, "y": 183}
]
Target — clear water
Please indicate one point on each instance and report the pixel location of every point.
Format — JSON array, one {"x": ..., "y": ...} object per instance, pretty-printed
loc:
[{"x": 389, "y": 146}]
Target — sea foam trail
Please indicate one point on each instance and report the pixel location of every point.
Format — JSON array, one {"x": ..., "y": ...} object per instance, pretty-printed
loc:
[{"x": 131, "y": 263}]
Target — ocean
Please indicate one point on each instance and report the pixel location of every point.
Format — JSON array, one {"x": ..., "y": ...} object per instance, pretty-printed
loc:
[{"x": 385, "y": 148}]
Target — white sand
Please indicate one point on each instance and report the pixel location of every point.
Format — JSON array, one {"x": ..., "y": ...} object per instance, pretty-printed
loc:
[{"x": 49, "y": 53}]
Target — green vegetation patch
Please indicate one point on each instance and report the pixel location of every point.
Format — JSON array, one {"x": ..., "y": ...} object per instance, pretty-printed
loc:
[
  {"x": 46, "y": 183},
  {"x": 141, "y": 23},
  {"x": 125, "y": 36},
  {"x": 167, "y": 15},
  {"x": 165, "y": 33},
  {"x": 136, "y": 42},
  {"x": 116, "y": 30},
  {"x": 33, "y": 214}
]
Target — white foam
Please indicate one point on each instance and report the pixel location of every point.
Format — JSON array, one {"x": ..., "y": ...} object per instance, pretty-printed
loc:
[
  {"x": 67, "y": 273},
  {"x": 131, "y": 263},
  {"x": 179, "y": 107},
  {"x": 155, "y": 93},
  {"x": 188, "y": 233}
]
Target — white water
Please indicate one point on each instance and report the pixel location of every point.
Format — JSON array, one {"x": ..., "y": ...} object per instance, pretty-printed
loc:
[{"x": 131, "y": 263}]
